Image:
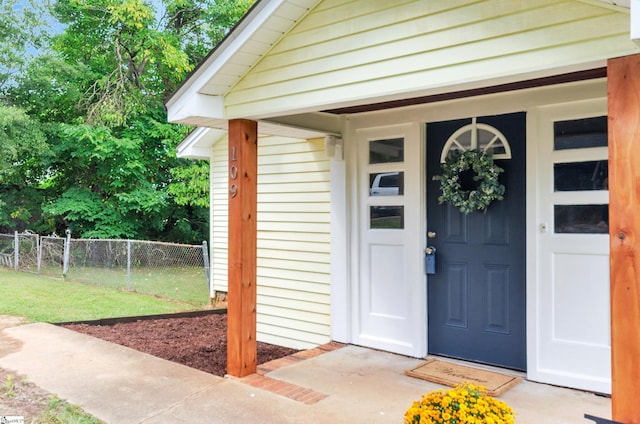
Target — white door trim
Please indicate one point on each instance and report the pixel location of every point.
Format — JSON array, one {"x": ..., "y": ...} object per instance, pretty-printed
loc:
[
  {"x": 413, "y": 341},
  {"x": 341, "y": 301},
  {"x": 530, "y": 100},
  {"x": 576, "y": 361}
]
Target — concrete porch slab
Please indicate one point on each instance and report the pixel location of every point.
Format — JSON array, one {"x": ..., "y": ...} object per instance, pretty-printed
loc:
[{"x": 348, "y": 384}]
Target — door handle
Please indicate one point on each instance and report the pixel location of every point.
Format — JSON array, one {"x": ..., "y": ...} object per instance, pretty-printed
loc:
[{"x": 431, "y": 234}]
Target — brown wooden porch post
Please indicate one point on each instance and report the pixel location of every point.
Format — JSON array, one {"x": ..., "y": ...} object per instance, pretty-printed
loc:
[
  {"x": 241, "y": 305},
  {"x": 624, "y": 216}
]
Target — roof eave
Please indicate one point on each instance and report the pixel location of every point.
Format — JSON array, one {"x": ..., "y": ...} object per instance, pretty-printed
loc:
[
  {"x": 231, "y": 45},
  {"x": 230, "y": 41},
  {"x": 197, "y": 145}
]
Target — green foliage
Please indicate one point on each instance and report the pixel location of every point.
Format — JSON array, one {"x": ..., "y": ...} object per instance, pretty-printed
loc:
[
  {"x": 200, "y": 25},
  {"x": 56, "y": 411},
  {"x": 9, "y": 387},
  {"x": 100, "y": 157},
  {"x": 485, "y": 175},
  {"x": 59, "y": 411},
  {"x": 190, "y": 185},
  {"x": 20, "y": 138},
  {"x": 22, "y": 29},
  {"x": 16, "y": 210},
  {"x": 137, "y": 55},
  {"x": 107, "y": 185},
  {"x": 50, "y": 89},
  {"x": 22, "y": 143}
]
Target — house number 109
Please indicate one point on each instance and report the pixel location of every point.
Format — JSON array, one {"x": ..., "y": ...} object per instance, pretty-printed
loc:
[{"x": 233, "y": 174}]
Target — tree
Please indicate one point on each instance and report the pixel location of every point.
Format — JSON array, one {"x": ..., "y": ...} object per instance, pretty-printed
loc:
[
  {"x": 50, "y": 89},
  {"x": 190, "y": 185},
  {"x": 138, "y": 53},
  {"x": 19, "y": 136},
  {"x": 22, "y": 32},
  {"x": 107, "y": 189},
  {"x": 97, "y": 94},
  {"x": 21, "y": 143}
]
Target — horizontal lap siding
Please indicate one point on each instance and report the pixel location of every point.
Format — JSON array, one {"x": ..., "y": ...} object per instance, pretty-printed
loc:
[
  {"x": 293, "y": 242},
  {"x": 293, "y": 239},
  {"x": 219, "y": 215},
  {"x": 345, "y": 50}
]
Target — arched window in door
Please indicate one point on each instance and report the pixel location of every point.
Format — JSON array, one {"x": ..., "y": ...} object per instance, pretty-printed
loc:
[{"x": 478, "y": 136}]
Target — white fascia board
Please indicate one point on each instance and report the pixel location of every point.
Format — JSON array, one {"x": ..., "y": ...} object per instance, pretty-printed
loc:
[
  {"x": 196, "y": 106},
  {"x": 199, "y": 153},
  {"x": 231, "y": 45},
  {"x": 197, "y": 145}
]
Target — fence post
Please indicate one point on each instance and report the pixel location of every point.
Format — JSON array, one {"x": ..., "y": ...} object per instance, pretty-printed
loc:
[
  {"x": 205, "y": 258},
  {"x": 16, "y": 251},
  {"x": 66, "y": 253},
  {"x": 129, "y": 265},
  {"x": 38, "y": 251}
]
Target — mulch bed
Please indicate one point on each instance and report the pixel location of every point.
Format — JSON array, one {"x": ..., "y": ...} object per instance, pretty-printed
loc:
[{"x": 199, "y": 342}]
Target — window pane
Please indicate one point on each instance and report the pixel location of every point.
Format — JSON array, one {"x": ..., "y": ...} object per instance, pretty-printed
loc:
[
  {"x": 579, "y": 176},
  {"x": 386, "y": 184},
  {"x": 580, "y": 133},
  {"x": 581, "y": 219},
  {"x": 391, "y": 217},
  {"x": 489, "y": 143},
  {"x": 386, "y": 151}
]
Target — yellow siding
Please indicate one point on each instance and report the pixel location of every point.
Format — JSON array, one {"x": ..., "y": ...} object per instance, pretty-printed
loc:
[
  {"x": 346, "y": 50},
  {"x": 219, "y": 215},
  {"x": 293, "y": 239},
  {"x": 293, "y": 242}
]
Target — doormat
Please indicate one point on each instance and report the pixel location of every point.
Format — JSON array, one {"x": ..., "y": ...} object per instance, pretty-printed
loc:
[{"x": 451, "y": 374}]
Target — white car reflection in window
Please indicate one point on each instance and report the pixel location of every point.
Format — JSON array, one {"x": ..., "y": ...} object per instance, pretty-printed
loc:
[{"x": 385, "y": 184}]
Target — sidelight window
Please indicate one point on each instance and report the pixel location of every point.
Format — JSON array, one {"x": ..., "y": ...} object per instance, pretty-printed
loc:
[
  {"x": 386, "y": 183},
  {"x": 580, "y": 176}
]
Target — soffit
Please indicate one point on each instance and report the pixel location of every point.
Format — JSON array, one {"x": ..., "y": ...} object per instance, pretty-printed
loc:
[{"x": 198, "y": 143}]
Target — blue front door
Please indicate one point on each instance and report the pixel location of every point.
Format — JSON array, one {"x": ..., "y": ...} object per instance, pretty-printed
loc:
[{"x": 476, "y": 298}]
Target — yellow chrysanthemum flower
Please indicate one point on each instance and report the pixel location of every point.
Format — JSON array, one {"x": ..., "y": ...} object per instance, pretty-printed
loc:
[{"x": 466, "y": 403}]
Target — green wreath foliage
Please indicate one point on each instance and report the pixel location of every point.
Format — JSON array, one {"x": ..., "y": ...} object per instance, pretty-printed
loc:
[{"x": 486, "y": 173}]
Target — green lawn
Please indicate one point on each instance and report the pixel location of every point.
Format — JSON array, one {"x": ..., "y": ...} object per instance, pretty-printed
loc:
[
  {"x": 44, "y": 299},
  {"x": 185, "y": 284}
]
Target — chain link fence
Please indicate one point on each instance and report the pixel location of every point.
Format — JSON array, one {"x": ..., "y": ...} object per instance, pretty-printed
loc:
[
  {"x": 25, "y": 257},
  {"x": 7, "y": 251},
  {"x": 167, "y": 270},
  {"x": 52, "y": 255}
]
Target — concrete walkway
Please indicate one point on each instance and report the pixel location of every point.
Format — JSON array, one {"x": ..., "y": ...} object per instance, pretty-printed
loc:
[{"x": 331, "y": 384}]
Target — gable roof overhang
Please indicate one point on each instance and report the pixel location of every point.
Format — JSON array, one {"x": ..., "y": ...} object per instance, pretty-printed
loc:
[
  {"x": 200, "y": 100},
  {"x": 197, "y": 144}
]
